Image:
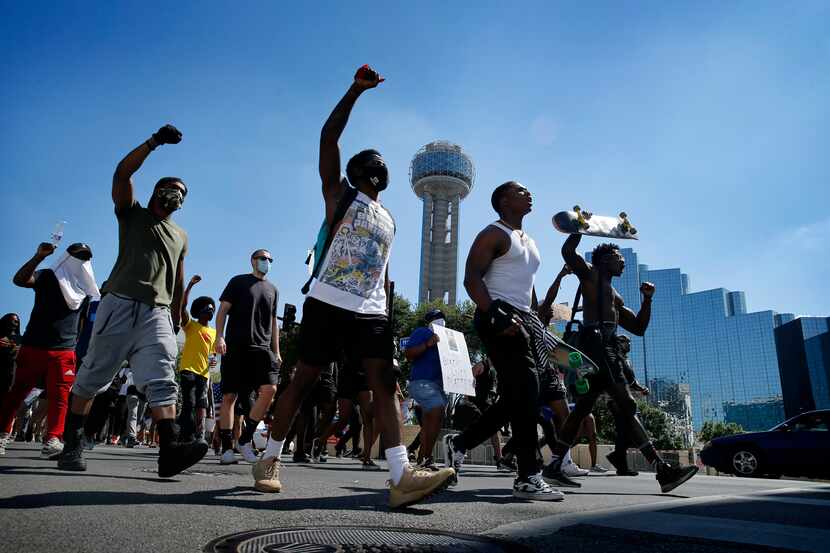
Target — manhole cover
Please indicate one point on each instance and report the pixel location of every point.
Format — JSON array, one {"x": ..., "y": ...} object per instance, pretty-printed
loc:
[{"x": 350, "y": 539}]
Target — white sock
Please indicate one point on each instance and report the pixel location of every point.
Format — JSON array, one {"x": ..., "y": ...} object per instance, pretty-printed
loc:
[
  {"x": 398, "y": 460},
  {"x": 566, "y": 460},
  {"x": 273, "y": 449}
]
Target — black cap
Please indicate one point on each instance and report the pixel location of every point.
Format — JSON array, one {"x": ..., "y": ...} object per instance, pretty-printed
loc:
[
  {"x": 80, "y": 250},
  {"x": 433, "y": 315}
]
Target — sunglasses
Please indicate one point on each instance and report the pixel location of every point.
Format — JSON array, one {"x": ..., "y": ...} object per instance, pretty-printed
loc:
[{"x": 264, "y": 258}]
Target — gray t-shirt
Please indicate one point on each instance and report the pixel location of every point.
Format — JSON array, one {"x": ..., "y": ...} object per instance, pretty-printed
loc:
[{"x": 149, "y": 250}]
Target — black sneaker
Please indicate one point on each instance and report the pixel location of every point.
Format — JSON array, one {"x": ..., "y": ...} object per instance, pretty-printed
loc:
[
  {"x": 301, "y": 458},
  {"x": 369, "y": 464},
  {"x": 506, "y": 464},
  {"x": 324, "y": 456},
  {"x": 554, "y": 476},
  {"x": 670, "y": 477},
  {"x": 534, "y": 488},
  {"x": 72, "y": 456},
  {"x": 178, "y": 456}
]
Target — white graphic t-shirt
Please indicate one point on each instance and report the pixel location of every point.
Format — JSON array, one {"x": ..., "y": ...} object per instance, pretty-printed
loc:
[{"x": 353, "y": 272}]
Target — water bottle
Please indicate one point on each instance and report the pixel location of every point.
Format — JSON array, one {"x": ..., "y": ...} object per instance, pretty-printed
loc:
[{"x": 57, "y": 234}]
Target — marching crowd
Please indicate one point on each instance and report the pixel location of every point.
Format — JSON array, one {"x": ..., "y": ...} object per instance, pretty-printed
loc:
[{"x": 103, "y": 365}]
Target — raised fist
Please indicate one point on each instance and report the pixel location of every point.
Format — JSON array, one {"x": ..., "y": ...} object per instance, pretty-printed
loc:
[
  {"x": 195, "y": 279},
  {"x": 647, "y": 289},
  {"x": 45, "y": 249},
  {"x": 367, "y": 78},
  {"x": 168, "y": 134}
]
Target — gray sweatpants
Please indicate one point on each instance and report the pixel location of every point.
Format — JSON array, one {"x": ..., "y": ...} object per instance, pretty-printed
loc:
[{"x": 126, "y": 329}]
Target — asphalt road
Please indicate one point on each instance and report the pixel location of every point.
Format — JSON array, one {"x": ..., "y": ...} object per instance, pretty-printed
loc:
[{"x": 120, "y": 504}]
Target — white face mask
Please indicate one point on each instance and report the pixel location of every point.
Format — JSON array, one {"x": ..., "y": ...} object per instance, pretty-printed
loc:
[
  {"x": 263, "y": 266},
  {"x": 439, "y": 322}
]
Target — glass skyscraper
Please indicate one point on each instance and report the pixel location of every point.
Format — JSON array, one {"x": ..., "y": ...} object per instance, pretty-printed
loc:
[
  {"x": 804, "y": 361},
  {"x": 708, "y": 341}
]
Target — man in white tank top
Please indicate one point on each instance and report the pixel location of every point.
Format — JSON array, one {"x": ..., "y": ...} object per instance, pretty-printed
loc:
[
  {"x": 345, "y": 312},
  {"x": 499, "y": 277}
]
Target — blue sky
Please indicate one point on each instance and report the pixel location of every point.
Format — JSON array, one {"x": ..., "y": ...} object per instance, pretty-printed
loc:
[{"x": 708, "y": 122}]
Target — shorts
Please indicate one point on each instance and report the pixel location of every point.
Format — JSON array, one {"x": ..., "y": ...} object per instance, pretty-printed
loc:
[
  {"x": 600, "y": 344},
  {"x": 327, "y": 332},
  {"x": 351, "y": 380},
  {"x": 194, "y": 389},
  {"x": 428, "y": 393},
  {"x": 550, "y": 386},
  {"x": 245, "y": 370},
  {"x": 126, "y": 329},
  {"x": 325, "y": 389}
]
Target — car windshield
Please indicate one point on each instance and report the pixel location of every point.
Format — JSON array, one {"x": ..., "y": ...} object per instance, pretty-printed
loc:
[{"x": 806, "y": 421}]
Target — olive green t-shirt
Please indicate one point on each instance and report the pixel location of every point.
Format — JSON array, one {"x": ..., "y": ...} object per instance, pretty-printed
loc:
[{"x": 149, "y": 250}]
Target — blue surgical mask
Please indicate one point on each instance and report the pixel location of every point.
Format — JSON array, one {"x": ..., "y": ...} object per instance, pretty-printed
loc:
[{"x": 263, "y": 266}]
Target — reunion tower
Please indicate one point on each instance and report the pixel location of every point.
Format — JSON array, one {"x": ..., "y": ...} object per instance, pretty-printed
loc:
[{"x": 442, "y": 175}]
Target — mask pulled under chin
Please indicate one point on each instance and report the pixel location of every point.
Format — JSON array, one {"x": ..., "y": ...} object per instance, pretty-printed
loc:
[
  {"x": 263, "y": 266},
  {"x": 170, "y": 199}
]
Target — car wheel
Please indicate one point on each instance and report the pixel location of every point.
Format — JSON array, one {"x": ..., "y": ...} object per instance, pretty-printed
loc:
[{"x": 746, "y": 462}]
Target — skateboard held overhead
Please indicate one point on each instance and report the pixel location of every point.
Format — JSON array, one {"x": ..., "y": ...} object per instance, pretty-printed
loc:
[{"x": 579, "y": 221}]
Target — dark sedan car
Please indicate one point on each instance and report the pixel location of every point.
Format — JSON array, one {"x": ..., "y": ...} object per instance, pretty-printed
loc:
[{"x": 799, "y": 446}]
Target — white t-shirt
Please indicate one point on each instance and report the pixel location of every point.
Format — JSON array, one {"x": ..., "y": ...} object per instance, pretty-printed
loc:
[{"x": 353, "y": 272}]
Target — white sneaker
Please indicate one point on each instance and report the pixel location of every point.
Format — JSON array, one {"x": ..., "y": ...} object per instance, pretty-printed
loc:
[
  {"x": 572, "y": 469},
  {"x": 51, "y": 447},
  {"x": 248, "y": 453},
  {"x": 228, "y": 458},
  {"x": 4, "y": 439},
  {"x": 535, "y": 489},
  {"x": 599, "y": 469}
]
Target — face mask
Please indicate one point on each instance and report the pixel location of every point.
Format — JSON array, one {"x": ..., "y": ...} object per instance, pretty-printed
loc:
[
  {"x": 439, "y": 322},
  {"x": 207, "y": 312},
  {"x": 170, "y": 199},
  {"x": 378, "y": 175},
  {"x": 263, "y": 266}
]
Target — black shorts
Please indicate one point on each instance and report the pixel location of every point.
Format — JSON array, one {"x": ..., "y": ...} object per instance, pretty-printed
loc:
[
  {"x": 602, "y": 346},
  {"x": 245, "y": 370},
  {"x": 351, "y": 380},
  {"x": 194, "y": 389},
  {"x": 328, "y": 332},
  {"x": 325, "y": 389},
  {"x": 550, "y": 386}
]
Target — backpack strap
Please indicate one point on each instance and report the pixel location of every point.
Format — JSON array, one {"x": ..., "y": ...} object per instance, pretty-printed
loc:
[{"x": 339, "y": 212}]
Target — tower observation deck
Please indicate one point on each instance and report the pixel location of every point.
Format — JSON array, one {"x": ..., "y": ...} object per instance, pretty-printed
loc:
[{"x": 442, "y": 175}]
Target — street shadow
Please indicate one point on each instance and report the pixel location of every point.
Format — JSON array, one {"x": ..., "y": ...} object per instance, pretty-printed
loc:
[{"x": 16, "y": 471}]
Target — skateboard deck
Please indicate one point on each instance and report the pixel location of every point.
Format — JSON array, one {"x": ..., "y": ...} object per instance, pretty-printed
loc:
[
  {"x": 579, "y": 221},
  {"x": 562, "y": 355}
]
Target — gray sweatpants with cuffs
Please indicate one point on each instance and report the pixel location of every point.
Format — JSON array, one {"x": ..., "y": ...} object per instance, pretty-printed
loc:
[{"x": 126, "y": 329}]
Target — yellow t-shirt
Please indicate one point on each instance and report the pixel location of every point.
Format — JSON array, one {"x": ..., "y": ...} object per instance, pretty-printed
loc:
[{"x": 198, "y": 345}]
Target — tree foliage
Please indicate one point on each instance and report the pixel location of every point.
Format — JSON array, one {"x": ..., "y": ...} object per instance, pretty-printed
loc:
[
  {"x": 658, "y": 425},
  {"x": 718, "y": 429}
]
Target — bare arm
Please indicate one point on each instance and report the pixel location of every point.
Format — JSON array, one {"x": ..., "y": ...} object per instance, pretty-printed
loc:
[
  {"x": 637, "y": 324},
  {"x": 25, "y": 276},
  {"x": 545, "y": 308},
  {"x": 185, "y": 316},
  {"x": 575, "y": 261},
  {"x": 329, "y": 164},
  {"x": 414, "y": 352},
  {"x": 224, "y": 307},
  {"x": 488, "y": 245},
  {"x": 122, "y": 183}
]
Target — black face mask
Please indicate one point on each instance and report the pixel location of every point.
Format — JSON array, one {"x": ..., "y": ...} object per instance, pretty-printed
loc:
[
  {"x": 377, "y": 175},
  {"x": 207, "y": 313}
]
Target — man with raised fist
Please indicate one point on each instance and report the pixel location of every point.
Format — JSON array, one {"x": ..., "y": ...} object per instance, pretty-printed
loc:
[
  {"x": 346, "y": 307},
  {"x": 139, "y": 315}
]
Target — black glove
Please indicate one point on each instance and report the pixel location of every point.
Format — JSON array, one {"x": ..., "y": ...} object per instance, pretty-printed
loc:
[
  {"x": 500, "y": 316},
  {"x": 168, "y": 134}
]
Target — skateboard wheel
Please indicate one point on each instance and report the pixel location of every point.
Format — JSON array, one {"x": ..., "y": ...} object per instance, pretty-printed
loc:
[
  {"x": 574, "y": 359},
  {"x": 633, "y": 230},
  {"x": 577, "y": 208},
  {"x": 623, "y": 215}
]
